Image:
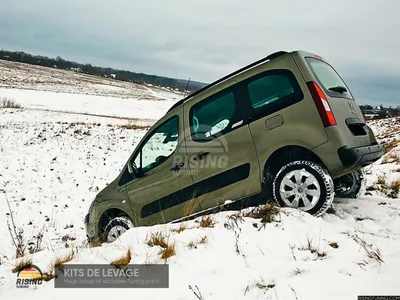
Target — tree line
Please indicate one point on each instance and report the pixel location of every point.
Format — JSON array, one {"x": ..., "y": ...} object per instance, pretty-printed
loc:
[{"x": 123, "y": 75}]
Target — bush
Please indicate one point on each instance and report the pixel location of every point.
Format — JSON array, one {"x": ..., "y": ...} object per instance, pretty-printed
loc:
[{"x": 8, "y": 103}]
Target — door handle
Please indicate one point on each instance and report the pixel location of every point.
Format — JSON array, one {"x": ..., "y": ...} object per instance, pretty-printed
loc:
[
  {"x": 177, "y": 167},
  {"x": 201, "y": 155}
]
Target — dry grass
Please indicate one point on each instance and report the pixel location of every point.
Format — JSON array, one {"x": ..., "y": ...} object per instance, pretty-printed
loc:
[
  {"x": 298, "y": 271},
  {"x": 391, "y": 145},
  {"x": 390, "y": 189},
  {"x": 393, "y": 189},
  {"x": 134, "y": 126},
  {"x": 314, "y": 250},
  {"x": 267, "y": 213},
  {"x": 62, "y": 260},
  {"x": 181, "y": 228},
  {"x": 23, "y": 263},
  {"x": 392, "y": 157},
  {"x": 264, "y": 286},
  {"x": 84, "y": 124},
  {"x": 373, "y": 253},
  {"x": 168, "y": 251},
  {"x": 58, "y": 262},
  {"x": 193, "y": 244},
  {"x": 381, "y": 179},
  {"x": 157, "y": 239},
  {"x": 8, "y": 103},
  {"x": 233, "y": 221},
  {"x": 123, "y": 261},
  {"x": 206, "y": 222}
]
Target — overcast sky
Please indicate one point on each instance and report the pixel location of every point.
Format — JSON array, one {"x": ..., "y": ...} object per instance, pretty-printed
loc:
[{"x": 207, "y": 39}]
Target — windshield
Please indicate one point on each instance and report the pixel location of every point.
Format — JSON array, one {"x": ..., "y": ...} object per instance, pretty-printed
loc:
[{"x": 330, "y": 80}]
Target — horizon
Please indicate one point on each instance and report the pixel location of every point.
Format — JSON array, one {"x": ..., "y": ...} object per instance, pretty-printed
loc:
[{"x": 167, "y": 40}]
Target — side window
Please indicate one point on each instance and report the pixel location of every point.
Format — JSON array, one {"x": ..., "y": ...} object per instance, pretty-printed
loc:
[
  {"x": 212, "y": 116},
  {"x": 268, "y": 89},
  {"x": 159, "y": 146},
  {"x": 272, "y": 91}
]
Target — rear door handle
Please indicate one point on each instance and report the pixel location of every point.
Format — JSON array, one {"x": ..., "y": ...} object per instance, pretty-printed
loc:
[
  {"x": 177, "y": 167},
  {"x": 201, "y": 155}
]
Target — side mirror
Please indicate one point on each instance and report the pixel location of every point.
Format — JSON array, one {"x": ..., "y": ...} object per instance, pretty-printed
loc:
[{"x": 132, "y": 168}]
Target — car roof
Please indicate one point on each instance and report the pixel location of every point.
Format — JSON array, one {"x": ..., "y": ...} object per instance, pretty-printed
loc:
[{"x": 230, "y": 76}]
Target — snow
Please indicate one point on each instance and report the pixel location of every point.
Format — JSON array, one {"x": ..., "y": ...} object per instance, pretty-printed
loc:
[
  {"x": 54, "y": 163},
  {"x": 89, "y": 104}
]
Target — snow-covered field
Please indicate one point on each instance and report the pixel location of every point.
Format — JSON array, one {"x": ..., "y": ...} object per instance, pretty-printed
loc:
[
  {"x": 35, "y": 87},
  {"x": 53, "y": 164}
]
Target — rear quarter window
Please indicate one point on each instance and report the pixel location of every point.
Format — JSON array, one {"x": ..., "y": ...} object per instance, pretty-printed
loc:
[
  {"x": 328, "y": 78},
  {"x": 272, "y": 91}
]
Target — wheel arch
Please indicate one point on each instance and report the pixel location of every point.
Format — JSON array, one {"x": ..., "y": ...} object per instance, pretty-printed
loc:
[
  {"x": 282, "y": 156},
  {"x": 110, "y": 214}
]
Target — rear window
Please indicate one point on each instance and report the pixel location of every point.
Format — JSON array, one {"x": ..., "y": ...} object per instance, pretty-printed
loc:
[{"x": 329, "y": 79}]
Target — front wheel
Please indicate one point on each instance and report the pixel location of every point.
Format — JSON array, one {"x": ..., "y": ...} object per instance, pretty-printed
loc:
[
  {"x": 304, "y": 185},
  {"x": 116, "y": 227}
]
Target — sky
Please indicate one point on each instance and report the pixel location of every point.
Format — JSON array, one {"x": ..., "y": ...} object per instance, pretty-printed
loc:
[{"x": 205, "y": 40}]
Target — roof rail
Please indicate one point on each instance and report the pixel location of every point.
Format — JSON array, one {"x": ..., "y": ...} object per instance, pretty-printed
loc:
[{"x": 269, "y": 57}]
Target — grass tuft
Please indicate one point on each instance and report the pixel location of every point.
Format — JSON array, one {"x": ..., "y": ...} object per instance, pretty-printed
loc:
[
  {"x": 157, "y": 239},
  {"x": 181, "y": 228},
  {"x": 62, "y": 260},
  {"x": 133, "y": 126},
  {"x": 168, "y": 251},
  {"x": 390, "y": 189},
  {"x": 123, "y": 261},
  {"x": 207, "y": 221},
  {"x": 23, "y": 263},
  {"x": 373, "y": 253},
  {"x": 391, "y": 145},
  {"x": 193, "y": 244},
  {"x": 8, "y": 103},
  {"x": 314, "y": 250},
  {"x": 267, "y": 213},
  {"x": 392, "y": 157}
]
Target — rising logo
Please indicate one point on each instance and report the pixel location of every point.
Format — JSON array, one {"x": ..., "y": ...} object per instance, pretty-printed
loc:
[{"x": 29, "y": 276}]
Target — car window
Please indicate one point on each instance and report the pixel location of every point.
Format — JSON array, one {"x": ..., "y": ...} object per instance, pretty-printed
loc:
[
  {"x": 328, "y": 78},
  {"x": 212, "y": 116},
  {"x": 159, "y": 146},
  {"x": 268, "y": 89}
]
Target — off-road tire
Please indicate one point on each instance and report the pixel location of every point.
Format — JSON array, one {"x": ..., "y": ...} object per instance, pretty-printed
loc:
[
  {"x": 355, "y": 183},
  {"x": 122, "y": 221},
  {"x": 320, "y": 173}
]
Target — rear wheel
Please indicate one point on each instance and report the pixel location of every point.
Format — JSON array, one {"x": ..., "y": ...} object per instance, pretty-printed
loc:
[
  {"x": 351, "y": 185},
  {"x": 304, "y": 185}
]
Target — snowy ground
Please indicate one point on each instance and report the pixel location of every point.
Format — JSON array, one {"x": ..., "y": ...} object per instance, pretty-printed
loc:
[
  {"x": 52, "y": 165},
  {"x": 35, "y": 87}
]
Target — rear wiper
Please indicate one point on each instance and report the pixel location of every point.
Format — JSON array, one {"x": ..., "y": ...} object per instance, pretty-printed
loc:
[{"x": 339, "y": 89}]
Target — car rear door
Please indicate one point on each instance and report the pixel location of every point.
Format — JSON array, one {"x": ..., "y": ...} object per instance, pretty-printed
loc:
[
  {"x": 222, "y": 157},
  {"x": 346, "y": 111}
]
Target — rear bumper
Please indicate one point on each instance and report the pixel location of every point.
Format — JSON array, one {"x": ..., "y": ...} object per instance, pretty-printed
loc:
[{"x": 360, "y": 156}]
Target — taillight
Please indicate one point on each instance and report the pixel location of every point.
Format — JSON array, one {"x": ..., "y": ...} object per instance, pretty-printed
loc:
[{"x": 324, "y": 110}]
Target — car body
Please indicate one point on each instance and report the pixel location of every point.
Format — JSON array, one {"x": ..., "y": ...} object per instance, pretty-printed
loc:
[{"x": 260, "y": 131}]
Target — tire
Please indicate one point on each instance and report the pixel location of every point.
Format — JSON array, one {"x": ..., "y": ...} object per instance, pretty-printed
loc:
[
  {"x": 351, "y": 185},
  {"x": 312, "y": 192},
  {"x": 116, "y": 227}
]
